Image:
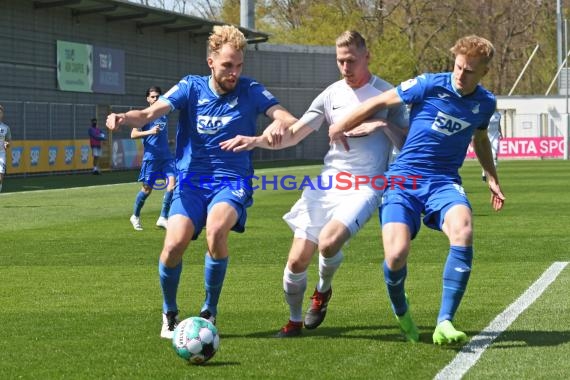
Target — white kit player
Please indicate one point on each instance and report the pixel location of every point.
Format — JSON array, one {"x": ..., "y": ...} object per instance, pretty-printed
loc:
[
  {"x": 5, "y": 139},
  {"x": 495, "y": 135},
  {"x": 342, "y": 199}
]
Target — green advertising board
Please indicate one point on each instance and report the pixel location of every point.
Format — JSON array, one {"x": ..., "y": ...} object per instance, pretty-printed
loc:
[{"x": 74, "y": 66}]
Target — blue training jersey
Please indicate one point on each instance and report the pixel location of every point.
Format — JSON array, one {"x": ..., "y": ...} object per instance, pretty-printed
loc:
[
  {"x": 156, "y": 146},
  {"x": 442, "y": 123},
  {"x": 206, "y": 119}
]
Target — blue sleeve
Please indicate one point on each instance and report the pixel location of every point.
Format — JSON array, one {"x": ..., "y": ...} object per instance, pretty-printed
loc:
[
  {"x": 179, "y": 95},
  {"x": 263, "y": 98},
  {"x": 414, "y": 90}
]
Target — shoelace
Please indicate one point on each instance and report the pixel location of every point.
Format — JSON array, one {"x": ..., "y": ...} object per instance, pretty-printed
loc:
[
  {"x": 291, "y": 326},
  {"x": 317, "y": 300}
]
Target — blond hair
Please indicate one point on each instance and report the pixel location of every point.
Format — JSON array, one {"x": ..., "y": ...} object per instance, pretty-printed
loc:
[
  {"x": 351, "y": 38},
  {"x": 226, "y": 34},
  {"x": 474, "y": 46}
]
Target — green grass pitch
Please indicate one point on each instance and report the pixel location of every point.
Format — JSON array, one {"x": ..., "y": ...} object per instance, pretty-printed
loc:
[{"x": 80, "y": 297}]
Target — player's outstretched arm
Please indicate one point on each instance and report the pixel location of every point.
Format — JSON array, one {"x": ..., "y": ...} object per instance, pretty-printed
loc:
[
  {"x": 292, "y": 136},
  {"x": 137, "y": 118},
  {"x": 482, "y": 147}
]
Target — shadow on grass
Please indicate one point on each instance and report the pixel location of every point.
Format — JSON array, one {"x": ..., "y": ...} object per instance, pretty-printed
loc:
[
  {"x": 517, "y": 339},
  {"x": 215, "y": 363},
  {"x": 512, "y": 339},
  {"x": 380, "y": 333}
]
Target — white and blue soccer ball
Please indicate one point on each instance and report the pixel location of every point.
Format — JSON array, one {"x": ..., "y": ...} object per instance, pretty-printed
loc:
[{"x": 196, "y": 340}]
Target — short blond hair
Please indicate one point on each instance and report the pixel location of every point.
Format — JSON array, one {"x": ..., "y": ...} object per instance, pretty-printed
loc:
[
  {"x": 349, "y": 38},
  {"x": 474, "y": 46},
  {"x": 226, "y": 34}
]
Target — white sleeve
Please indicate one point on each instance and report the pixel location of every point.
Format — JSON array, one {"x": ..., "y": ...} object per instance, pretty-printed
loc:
[{"x": 314, "y": 117}]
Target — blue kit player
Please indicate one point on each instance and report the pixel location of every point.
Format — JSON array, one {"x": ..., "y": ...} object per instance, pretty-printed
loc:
[
  {"x": 447, "y": 112},
  {"x": 157, "y": 167},
  {"x": 210, "y": 192}
]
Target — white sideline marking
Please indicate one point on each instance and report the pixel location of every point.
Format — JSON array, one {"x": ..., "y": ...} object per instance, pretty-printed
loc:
[{"x": 471, "y": 352}]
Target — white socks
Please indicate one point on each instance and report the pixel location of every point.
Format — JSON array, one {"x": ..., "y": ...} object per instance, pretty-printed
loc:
[
  {"x": 294, "y": 286},
  {"x": 327, "y": 268}
]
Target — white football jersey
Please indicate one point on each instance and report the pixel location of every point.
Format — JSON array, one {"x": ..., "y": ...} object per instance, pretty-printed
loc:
[
  {"x": 494, "y": 124},
  {"x": 368, "y": 155},
  {"x": 4, "y": 136}
]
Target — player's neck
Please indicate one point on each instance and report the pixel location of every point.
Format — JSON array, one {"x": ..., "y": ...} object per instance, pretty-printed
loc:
[
  {"x": 362, "y": 82},
  {"x": 216, "y": 89},
  {"x": 461, "y": 92}
]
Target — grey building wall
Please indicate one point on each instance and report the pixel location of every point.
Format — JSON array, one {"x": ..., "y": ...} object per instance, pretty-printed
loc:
[{"x": 36, "y": 109}]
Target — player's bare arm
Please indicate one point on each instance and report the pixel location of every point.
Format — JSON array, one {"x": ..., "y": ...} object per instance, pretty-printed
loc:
[
  {"x": 282, "y": 120},
  {"x": 394, "y": 133},
  {"x": 387, "y": 99},
  {"x": 291, "y": 137},
  {"x": 137, "y": 118},
  {"x": 482, "y": 147},
  {"x": 137, "y": 133}
]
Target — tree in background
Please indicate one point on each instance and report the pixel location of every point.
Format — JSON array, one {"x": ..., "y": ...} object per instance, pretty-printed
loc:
[{"x": 408, "y": 37}]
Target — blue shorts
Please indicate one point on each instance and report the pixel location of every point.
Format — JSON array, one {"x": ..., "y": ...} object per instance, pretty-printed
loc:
[
  {"x": 196, "y": 202},
  {"x": 153, "y": 171},
  {"x": 432, "y": 197}
]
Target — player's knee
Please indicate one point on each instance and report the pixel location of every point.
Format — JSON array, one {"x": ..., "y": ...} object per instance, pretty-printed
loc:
[
  {"x": 172, "y": 253},
  {"x": 298, "y": 264},
  {"x": 329, "y": 246},
  {"x": 216, "y": 235},
  {"x": 461, "y": 233},
  {"x": 396, "y": 260}
]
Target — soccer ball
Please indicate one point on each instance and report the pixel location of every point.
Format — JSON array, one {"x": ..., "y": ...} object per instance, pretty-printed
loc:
[{"x": 196, "y": 339}]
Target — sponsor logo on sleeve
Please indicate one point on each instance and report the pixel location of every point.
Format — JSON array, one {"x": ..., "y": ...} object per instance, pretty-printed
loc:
[{"x": 408, "y": 84}]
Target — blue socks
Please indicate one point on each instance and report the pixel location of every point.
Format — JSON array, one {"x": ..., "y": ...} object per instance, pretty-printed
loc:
[
  {"x": 139, "y": 203},
  {"x": 455, "y": 277},
  {"x": 169, "y": 280},
  {"x": 395, "y": 286},
  {"x": 166, "y": 204},
  {"x": 214, "y": 274}
]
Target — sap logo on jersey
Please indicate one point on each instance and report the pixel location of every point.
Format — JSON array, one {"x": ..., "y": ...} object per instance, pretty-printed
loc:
[
  {"x": 210, "y": 125},
  {"x": 448, "y": 125},
  {"x": 161, "y": 125}
]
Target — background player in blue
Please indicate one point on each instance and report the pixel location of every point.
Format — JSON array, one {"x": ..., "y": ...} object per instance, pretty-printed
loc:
[
  {"x": 448, "y": 111},
  {"x": 213, "y": 109},
  {"x": 157, "y": 163}
]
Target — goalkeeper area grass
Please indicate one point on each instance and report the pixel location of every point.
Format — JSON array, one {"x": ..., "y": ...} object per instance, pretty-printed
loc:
[{"x": 81, "y": 298}]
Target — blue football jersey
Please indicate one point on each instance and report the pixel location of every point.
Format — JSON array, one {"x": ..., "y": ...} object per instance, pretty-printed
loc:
[
  {"x": 442, "y": 123},
  {"x": 206, "y": 119},
  {"x": 156, "y": 146}
]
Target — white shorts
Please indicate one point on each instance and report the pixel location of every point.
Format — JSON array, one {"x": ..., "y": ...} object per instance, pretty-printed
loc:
[
  {"x": 96, "y": 151},
  {"x": 316, "y": 208},
  {"x": 3, "y": 163}
]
